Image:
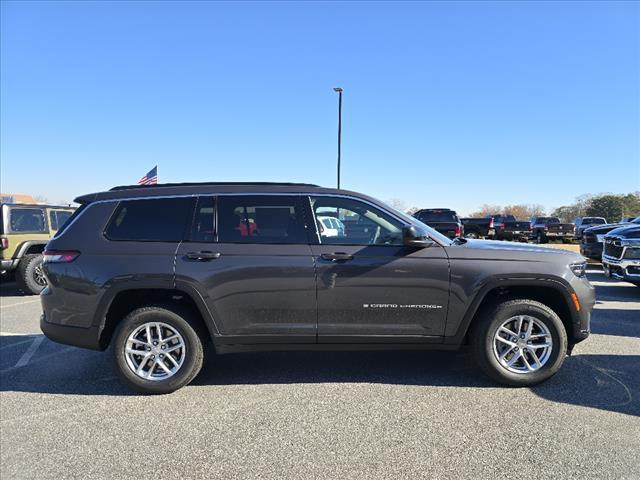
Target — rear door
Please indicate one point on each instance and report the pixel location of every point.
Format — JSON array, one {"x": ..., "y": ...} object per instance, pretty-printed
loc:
[
  {"x": 369, "y": 284},
  {"x": 248, "y": 256}
]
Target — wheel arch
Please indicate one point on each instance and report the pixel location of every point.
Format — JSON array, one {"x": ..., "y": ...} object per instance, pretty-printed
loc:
[
  {"x": 118, "y": 303},
  {"x": 551, "y": 291}
]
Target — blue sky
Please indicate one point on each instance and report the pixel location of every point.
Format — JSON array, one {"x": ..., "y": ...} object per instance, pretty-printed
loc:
[{"x": 446, "y": 104}]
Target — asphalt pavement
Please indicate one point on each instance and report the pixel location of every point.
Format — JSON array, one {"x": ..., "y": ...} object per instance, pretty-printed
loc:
[{"x": 64, "y": 414}]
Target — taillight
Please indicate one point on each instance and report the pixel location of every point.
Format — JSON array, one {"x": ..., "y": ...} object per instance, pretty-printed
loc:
[
  {"x": 60, "y": 256},
  {"x": 458, "y": 231},
  {"x": 4, "y": 243},
  {"x": 502, "y": 226},
  {"x": 530, "y": 227},
  {"x": 491, "y": 224},
  {"x": 546, "y": 229}
]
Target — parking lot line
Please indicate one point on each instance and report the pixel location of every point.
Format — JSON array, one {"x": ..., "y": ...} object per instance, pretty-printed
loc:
[
  {"x": 19, "y": 303},
  {"x": 24, "y": 360}
]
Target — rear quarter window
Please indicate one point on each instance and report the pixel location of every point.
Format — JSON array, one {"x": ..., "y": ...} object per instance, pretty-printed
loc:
[
  {"x": 153, "y": 220},
  {"x": 27, "y": 220}
]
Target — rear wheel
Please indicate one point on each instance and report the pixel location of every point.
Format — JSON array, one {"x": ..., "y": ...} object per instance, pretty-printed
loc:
[
  {"x": 519, "y": 342},
  {"x": 30, "y": 278},
  {"x": 540, "y": 238},
  {"x": 157, "y": 349}
]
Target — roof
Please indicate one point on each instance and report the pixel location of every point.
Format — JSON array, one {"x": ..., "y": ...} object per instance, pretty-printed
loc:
[{"x": 168, "y": 189}]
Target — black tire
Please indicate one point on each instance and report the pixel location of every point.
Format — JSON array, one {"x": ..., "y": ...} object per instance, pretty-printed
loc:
[
  {"x": 28, "y": 276},
  {"x": 180, "y": 320},
  {"x": 488, "y": 322},
  {"x": 540, "y": 238}
]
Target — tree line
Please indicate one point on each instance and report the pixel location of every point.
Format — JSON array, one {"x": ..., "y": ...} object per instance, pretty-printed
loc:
[{"x": 611, "y": 206}]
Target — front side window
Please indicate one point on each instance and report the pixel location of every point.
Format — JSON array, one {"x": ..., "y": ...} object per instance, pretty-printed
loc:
[
  {"x": 152, "y": 220},
  {"x": 354, "y": 223},
  {"x": 268, "y": 219},
  {"x": 27, "y": 220}
]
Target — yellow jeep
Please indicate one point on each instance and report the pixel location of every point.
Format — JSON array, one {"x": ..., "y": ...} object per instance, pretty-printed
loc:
[{"x": 25, "y": 229}]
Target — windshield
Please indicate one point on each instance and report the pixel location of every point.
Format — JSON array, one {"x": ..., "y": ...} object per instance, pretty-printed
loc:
[{"x": 594, "y": 221}]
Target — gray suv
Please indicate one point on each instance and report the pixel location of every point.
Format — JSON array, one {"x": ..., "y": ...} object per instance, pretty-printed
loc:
[{"x": 165, "y": 273}]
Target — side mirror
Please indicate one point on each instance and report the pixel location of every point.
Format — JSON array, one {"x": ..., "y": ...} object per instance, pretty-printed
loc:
[{"x": 412, "y": 237}]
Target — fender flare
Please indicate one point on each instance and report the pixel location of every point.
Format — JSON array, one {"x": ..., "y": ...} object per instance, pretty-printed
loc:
[
  {"x": 24, "y": 246},
  {"x": 547, "y": 281},
  {"x": 117, "y": 286}
]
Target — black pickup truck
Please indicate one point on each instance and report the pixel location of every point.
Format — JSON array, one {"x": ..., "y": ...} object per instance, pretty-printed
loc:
[
  {"x": 544, "y": 229},
  {"x": 443, "y": 220},
  {"x": 582, "y": 223},
  {"x": 478, "y": 227},
  {"x": 509, "y": 228}
]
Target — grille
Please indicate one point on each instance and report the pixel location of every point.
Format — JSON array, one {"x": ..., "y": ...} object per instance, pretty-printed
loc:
[
  {"x": 588, "y": 237},
  {"x": 611, "y": 249},
  {"x": 632, "y": 253}
]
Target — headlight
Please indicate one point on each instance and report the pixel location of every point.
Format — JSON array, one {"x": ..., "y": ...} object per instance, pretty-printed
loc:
[
  {"x": 578, "y": 269},
  {"x": 600, "y": 238}
]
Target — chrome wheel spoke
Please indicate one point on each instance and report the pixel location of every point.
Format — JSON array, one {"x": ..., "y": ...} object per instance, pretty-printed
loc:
[
  {"x": 155, "y": 351},
  {"x": 515, "y": 347}
]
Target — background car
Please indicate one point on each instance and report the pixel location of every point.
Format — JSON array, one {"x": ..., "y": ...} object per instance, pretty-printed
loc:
[
  {"x": 592, "y": 238},
  {"x": 24, "y": 231},
  {"x": 582, "y": 223},
  {"x": 443, "y": 220},
  {"x": 621, "y": 254},
  {"x": 509, "y": 228},
  {"x": 478, "y": 227},
  {"x": 544, "y": 229}
]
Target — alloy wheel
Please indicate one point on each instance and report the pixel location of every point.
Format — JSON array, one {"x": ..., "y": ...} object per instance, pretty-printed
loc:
[
  {"x": 522, "y": 344},
  {"x": 155, "y": 351}
]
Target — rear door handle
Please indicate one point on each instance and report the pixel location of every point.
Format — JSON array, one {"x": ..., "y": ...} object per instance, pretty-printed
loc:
[
  {"x": 337, "y": 257},
  {"x": 204, "y": 256}
]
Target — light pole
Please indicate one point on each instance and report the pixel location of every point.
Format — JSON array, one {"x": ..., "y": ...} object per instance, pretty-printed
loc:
[{"x": 339, "y": 90}]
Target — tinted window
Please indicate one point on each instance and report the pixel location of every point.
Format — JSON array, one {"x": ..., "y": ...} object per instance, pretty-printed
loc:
[
  {"x": 204, "y": 221},
  {"x": 594, "y": 221},
  {"x": 260, "y": 219},
  {"x": 359, "y": 223},
  {"x": 161, "y": 220},
  {"x": 57, "y": 218},
  {"x": 27, "y": 220},
  {"x": 438, "y": 217}
]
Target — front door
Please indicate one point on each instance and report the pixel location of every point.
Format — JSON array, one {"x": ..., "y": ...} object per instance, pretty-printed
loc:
[
  {"x": 369, "y": 284},
  {"x": 249, "y": 257}
]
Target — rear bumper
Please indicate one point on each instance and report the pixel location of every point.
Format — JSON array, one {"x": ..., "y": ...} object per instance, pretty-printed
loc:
[
  {"x": 8, "y": 265},
  {"x": 76, "y": 336}
]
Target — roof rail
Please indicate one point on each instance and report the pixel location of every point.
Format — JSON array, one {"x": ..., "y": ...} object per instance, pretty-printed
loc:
[{"x": 192, "y": 184}]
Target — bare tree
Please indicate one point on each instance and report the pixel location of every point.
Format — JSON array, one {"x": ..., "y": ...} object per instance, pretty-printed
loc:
[{"x": 398, "y": 204}]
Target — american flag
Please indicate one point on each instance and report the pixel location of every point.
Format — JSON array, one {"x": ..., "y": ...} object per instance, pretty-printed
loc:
[{"x": 150, "y": 178}]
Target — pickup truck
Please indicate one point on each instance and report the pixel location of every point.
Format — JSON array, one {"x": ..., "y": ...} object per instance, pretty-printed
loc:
[
  {"x": 509, "y": 228},
  {"x": 478, "y": 227},
  {"x": 544, "y": 229},
  {"x": 442, "y": 220},
  {"x": 582, "y": 223}
]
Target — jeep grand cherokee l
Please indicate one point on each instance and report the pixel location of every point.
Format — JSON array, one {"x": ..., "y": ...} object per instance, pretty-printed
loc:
[{"x": 159, "y": 272}]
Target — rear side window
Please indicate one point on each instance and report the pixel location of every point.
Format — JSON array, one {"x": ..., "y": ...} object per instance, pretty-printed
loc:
[
  {"x": 260, "y": 219},
  {"x": 438, "y": 217},
  {"x": 27, "y": 220},
  {"x": 156, "y": 220},
  {"x": 57, "y": 218}
]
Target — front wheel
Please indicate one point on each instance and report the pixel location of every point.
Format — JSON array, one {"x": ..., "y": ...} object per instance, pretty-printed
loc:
[
  {"x": 519, "y": 343},
  {"x": 157, "y": 350}
]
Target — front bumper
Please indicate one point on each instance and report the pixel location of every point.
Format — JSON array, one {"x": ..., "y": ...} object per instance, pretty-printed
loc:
[
  {"x": 591, "y": 250},
  {"x": 622, "y": 269}
]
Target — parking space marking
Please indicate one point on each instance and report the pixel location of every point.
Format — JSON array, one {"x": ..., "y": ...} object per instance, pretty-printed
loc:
[
  {"x": 24, "y": 360},
  {"x": 19, "y": 303}
]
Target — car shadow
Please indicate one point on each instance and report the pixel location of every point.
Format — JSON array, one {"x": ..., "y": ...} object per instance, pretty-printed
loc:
[
  {"x": 8, "y": 288},
  {"x": 607, "y": 382}
]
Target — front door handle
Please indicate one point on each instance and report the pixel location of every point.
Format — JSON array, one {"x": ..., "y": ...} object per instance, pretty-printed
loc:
[
  {"x": 203, "y": 256},
  {"x": 337, "y": 257}
]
